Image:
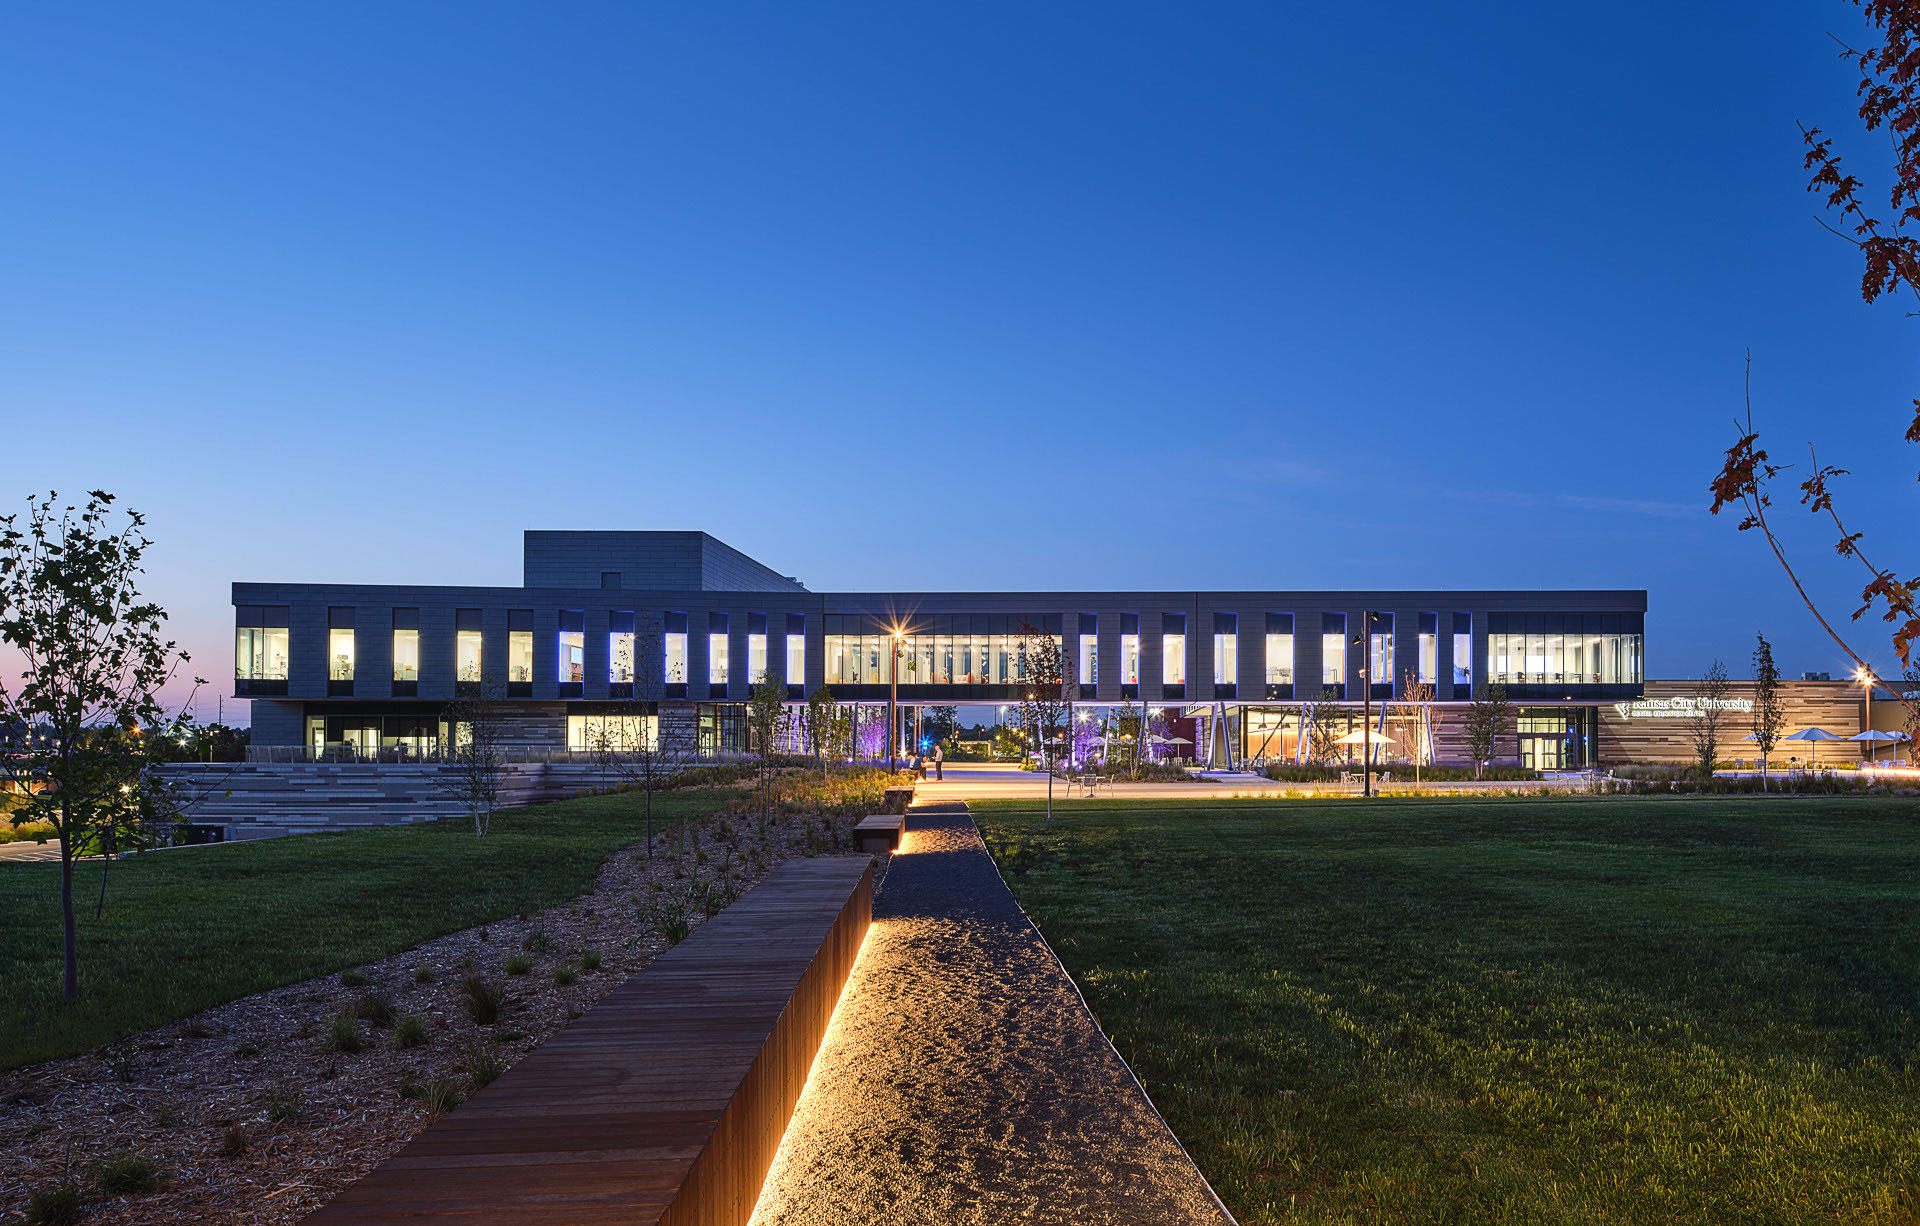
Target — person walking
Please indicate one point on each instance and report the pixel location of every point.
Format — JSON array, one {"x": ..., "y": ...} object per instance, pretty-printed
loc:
[{"x": 939, "y": 756}]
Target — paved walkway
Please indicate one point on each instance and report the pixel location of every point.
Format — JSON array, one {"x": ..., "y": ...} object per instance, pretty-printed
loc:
[
  {"x": 28, "y": 851},
  {"x": 992, "y": 781},
  {"x": 964, "y": 1081}
]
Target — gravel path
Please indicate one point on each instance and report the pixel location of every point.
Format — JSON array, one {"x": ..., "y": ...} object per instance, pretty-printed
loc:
[{"x": 964, "y": 1081}]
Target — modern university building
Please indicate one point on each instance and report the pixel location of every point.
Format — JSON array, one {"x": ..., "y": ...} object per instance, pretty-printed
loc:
[{"x": 637, "y": 632}]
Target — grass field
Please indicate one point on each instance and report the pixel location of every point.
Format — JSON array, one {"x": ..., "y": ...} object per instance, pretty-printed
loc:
[
  {"x": 194, "y": 927},
  {"x": 1583, "y": 1010}
]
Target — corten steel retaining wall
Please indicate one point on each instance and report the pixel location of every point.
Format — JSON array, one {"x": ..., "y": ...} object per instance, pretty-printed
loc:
[{"x": 665, "y": 1104}]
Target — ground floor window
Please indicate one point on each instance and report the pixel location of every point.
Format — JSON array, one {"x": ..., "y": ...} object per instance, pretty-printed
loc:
[{"x": 619, "y": 733}]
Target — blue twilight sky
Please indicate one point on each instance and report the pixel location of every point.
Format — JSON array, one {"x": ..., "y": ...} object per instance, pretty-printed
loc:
[{"x": 904, "y": 296}]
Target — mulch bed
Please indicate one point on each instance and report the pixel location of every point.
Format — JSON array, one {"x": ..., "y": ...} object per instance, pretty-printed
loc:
[{"x": 253, "y": 1116}]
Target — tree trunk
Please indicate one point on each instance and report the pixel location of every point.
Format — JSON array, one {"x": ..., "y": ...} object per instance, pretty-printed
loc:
[{"x": 71, "y": 985}]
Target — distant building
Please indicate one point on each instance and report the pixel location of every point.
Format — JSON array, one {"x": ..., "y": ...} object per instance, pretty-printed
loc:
[{"x": 652, "y": 626}]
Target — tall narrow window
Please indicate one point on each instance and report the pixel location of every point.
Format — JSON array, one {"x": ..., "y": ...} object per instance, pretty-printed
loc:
[
  {"x": 1333, "y": 650},
  {"x": 620, "y": 659},
  {"x": 717, "y": 655},
  {"x": 1226, "y": 654},
  {"x": 406, "y": 653},
  {"x": 1089, "y": 655},
  {"x": 1462, "y": 651},
  {"x": 260, "y": 649},
  {"x": 340, "y": 651},
  {"x": 571, "y": 666},
  {"x": 1129, "y": 652},
  {"x": 520, "y": 653},
  {"x": 673, "y": 654},
  {"x": 1173, "y": 650},
  {"x": 1429, "y": 672},
  {"x": 757, "y": 648},
  {"x": 1380, "y": 650},
  {"x": 796, "y": 654},
  {"x": 1279, "y": 655},
  {"x": 466, "y": 653}
]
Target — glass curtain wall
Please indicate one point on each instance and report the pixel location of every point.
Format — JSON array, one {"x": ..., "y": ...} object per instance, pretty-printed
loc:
[
  {"x": 994, "y": 658},
  {"x": 618, "y": 732},
  {"x": 1564, "y": 656}
]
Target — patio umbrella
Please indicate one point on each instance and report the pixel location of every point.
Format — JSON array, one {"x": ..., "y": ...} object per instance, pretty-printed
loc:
[
  {"x": 1361, "y": 738},
  {"x": 1815, "y": 735},
  {"x": 1875, "y": 736}
]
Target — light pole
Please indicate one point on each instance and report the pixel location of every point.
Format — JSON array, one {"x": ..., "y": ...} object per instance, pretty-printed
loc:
[
  {"x": 1366, "y": 703},
  {"x": 1865, "y": 678},
  {"x": 893, "y": 703}
]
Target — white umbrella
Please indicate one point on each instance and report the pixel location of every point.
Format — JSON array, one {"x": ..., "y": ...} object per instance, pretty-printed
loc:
[
  {"x": 1361, "y": 738},
  {"x": 1812, "y": 734},
  {"x": 1876, "y": 736}
]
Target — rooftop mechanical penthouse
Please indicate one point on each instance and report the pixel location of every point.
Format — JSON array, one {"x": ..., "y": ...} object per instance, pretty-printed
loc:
[{"x": 643, "y": 626}]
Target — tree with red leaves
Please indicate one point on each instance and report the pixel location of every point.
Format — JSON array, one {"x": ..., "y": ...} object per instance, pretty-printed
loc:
[{"x": 1889, "y": 93}]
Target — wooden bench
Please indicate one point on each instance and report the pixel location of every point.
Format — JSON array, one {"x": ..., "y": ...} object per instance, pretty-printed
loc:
[
  {"x": 880, "y": 831},
  {"x": 897, "y": 799},
  {"x": 665, "y": 1103}
]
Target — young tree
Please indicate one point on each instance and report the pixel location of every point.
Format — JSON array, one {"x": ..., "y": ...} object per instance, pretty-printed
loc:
[
  {"x": 1769, "y": 712},
  {"x": 1044, "y": 705},
  {"x": 476, "y": 759},
  {"x": 1416, "y": 702},
  {"x": 1323, "y": 729},
  {"x": 93, "y": 658},
  {"x": 1709, "y": 715},
  {"x": 766, "y": 711},
  {"x": 1489, "y": 717},
  {"x": 1890, "y": 100},
  {"x": 816, "y": 721}
]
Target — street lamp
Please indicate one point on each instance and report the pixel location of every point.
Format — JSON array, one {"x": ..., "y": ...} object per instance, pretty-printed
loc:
[
  {"x": 1865, "y": 678},
  {"x": 893, "y": 701}
]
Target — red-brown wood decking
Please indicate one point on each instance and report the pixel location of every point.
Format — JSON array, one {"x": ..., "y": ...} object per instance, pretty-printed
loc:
[{"x": 666, "y": 1102}]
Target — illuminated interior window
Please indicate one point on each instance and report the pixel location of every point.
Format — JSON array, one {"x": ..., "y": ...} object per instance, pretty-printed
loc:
[
  {"x": 260, "y": 653},
  {"x": 1333, "y": 649},
  {"x": 340, "y": 655},
  {"x": 406, "y": 655}
]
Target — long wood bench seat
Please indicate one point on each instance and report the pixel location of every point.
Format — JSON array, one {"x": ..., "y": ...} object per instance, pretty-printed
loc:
[
  {"x": 665, "y": 1103},
  {"x": 880, "y": 831}
]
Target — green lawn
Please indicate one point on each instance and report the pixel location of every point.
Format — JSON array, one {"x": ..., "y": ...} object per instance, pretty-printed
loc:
[
  {"x": 190, "y": 928},
  {"x": 1469, "y": 1011}
]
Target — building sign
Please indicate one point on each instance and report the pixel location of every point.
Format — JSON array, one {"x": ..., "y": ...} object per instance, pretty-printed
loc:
[{"x": 1685, "y": 707}]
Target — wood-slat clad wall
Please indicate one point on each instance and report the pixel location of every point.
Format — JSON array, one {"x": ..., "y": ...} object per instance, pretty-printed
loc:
[
  {"x": 666, "y": 1102},
  {"x": 1833, "y": 705}
]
